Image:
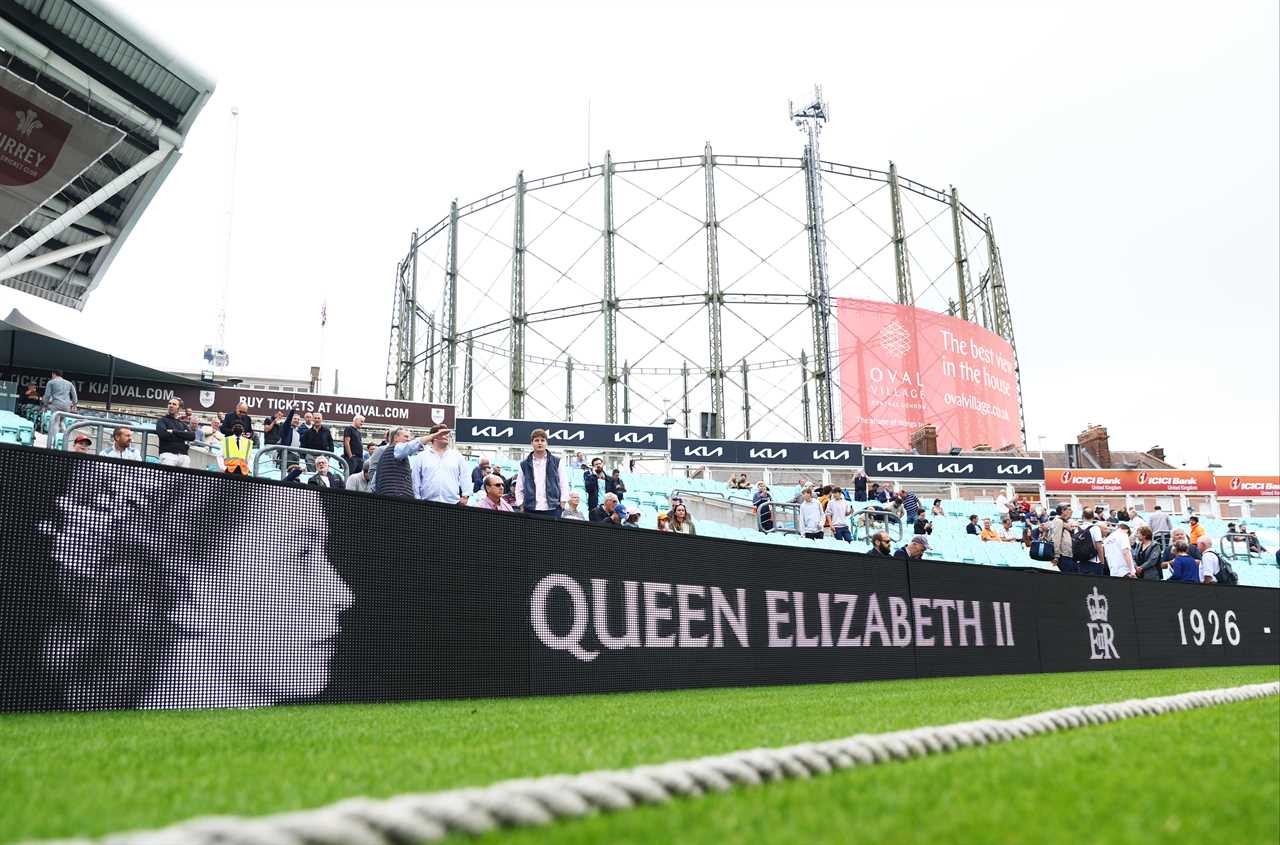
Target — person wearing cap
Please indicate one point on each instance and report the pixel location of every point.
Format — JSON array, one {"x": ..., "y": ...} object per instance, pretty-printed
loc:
[
  {"x": 440, "y": 473},
  {"x": 294, "y": 475},
  {"x": 492, "y": 499},
  {"x": 621, "y": 517},
  {"x": 1195, "y": 531},
  {"x": 121, "y": 446},
  {"x": 541, "y": 482},
  {"x": 82, "y": 443},
  {"x": 915, "y": 549}
]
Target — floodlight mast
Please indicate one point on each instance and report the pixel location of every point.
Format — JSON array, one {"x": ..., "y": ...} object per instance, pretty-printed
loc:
[{"x": 809, "y": 120}]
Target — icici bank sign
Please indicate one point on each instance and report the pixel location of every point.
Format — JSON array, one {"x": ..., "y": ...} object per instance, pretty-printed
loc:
[
  {"x": 1128, "y": 481},
  {"x": 1248, "y": 486}
]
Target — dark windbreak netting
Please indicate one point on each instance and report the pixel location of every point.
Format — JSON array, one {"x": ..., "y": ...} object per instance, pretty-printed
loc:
[{"x": 130, "y": 585}]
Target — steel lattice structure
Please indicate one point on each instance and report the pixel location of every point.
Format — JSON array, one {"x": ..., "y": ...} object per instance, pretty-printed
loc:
[{"x": 636, "y": 291}]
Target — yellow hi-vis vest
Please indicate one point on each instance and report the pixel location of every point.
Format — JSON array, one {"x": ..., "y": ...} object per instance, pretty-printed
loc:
[{"x": 235, "y": 453}]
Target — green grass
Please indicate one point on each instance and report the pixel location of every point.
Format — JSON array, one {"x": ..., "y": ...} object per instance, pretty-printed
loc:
[{"x": 1209, "y": 773}]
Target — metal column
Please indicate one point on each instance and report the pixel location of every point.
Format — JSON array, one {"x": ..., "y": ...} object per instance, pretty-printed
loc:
[
  {"x": 804, "y": 394},
  {"x": 1003, "y": 316},
  {"x": 568, "y": 389},
  {"x": 411, "y": 313},
  {"x": 715, "y": 299},
  {"x": 430, "y": 387},
  {"x": 962, "y": 263},
  {"x": 684, "y": 376},
  {"x": 819, "y": 291},
  {"x": 451, "y": 308},
  {"x": 746, "y": 403},
  {"x": 610, "y": 304},
  {"x": 901, "y": 264},
  {"x": 626, "y": 393},
  {"x": 517, "y": 305},
  {"x": 468, "y": 382}
]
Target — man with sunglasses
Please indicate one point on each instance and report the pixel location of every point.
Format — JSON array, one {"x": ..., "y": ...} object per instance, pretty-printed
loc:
[{"x": 493, "y": 496}]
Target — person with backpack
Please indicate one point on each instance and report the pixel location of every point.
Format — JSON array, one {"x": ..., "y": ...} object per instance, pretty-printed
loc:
[
  {"x": 1086, "y": 547},
  {"x": 1212, "y": 564}
]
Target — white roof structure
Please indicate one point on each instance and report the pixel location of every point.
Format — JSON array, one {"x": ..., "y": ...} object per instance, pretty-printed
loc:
[{"x": 87, "y": 55}]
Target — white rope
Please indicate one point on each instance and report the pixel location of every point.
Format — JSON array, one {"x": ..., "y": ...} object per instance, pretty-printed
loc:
[{"x": 430, "y": 817}]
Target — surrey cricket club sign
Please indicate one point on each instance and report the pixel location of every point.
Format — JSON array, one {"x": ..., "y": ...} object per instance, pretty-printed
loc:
[
  {"x": 766, "y": 453},
  {"x": 44, "y": 145},
  {"x": 588, "y": 437},
  {"x": 1003, "y": 469}
]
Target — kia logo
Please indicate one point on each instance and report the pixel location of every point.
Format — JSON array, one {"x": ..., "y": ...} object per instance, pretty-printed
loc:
[
  {"x": 632, "y": 437},
  {"x": 703, "y": 452},
  {"x": 954, "y": 469},
  {"x": 830, "y": 455},
  {"x": 492, "y": 431},
  {"x": 1013, "y": 469},
  {"x": 565, "y": 434},
  {"x": 894, "y": 466},
  {"x": 770, "y": 454}
]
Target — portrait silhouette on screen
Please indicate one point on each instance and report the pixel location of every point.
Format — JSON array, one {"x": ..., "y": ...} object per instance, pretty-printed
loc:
[{"x": 175, "y": 590}]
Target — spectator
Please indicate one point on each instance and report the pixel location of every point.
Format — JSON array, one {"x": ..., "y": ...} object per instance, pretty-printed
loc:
[
  {"x": 577, "y": 462},
  {"x": 493, "y": 496},
  {"x": 938, "y": 509},
  {"x": 881, "y": 544},
  {"x": 318, "y": 437},
  {"x": 59, "y": 394},
  {"x": 294, "y": 475},
  {"x": 239, "y": 416},
  {"x": 323, "y": 477},
  {"x": 571, "y": 511},
  {"x": 541, "y": 483},
  {"x": 910, "y": 505},
  {"x": 1176, "y": 535},
  {"x": 353, "y": 444},
  {"x": 764, "y": 511},
  {"x": 1027, "y": 540},
  {"x": 880, "y": 494},
  {"x": 922, "y": 525},
  {"x": 680, "y": 522},
  {"x": 1146, "y": 556},
  {"x": 604, "y": 512},
  {"x": 393, "y": 474},
  {"x": 810, "y": 515},
  {"x": 618, "y": 486},
  {"x": 236, "y": 451},
  {"x": 1119, "y": 555},
  {"x": 1002, "y": 504},
  {"x": 359, "y": 482},
  {"x": 305, "y": 428},
  {"x": 972, "y": 527},
  {"x": 626, "y": 519},
  {"x": 1088, "y": 535},
  {"x": 837, "y": 511},
  {"x": 988, "y": 533},
  {"x": 1196, "y": 531},
  {"x": 1183, "y": 566},
  {"x": 440, "y": 473},
  {"x": 663, "y": 519},
  {"x": 479, "y": 474},
  {"x": 799, "y": 496},
  {"x": 1209, "y": 563},
  {"x": 273, "y": 429},
  {"x": 1159, "y": 522},
  {"x": 29, "y": 402},
  {"x": 121, "y": 440},
  {"x": 1136, "y": 522},
  {"x": 175, "y": 436},
  {"x": 1008, "y": 532},
  {"x": 1060, "y": 536},
  {"x": 860, "y": 487},
  {"x": 595, "y": 483},
  {"x": 82, "y": 443},
  {"x": 915, "y": 549}
]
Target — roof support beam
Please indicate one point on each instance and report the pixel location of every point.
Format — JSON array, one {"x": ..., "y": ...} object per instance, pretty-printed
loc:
[{"x": 53, "y": 257}]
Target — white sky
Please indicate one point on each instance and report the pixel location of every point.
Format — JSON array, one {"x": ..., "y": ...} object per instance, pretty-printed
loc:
[{"x": 1128, "y": 153}]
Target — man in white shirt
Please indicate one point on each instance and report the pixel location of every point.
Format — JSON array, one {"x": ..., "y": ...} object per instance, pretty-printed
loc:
[
  {"x": 440, "y": 473},
  {"x": 838, "y": 512},
  {"x": 1209, "y": 563},
  {"x": 810, "y": 515},
  {"x": 1119, "y": 554},
  {"x": 1002, "y": 504},
  {"x": 542, "y": 485},
  {"x": 121, "y": 440}
]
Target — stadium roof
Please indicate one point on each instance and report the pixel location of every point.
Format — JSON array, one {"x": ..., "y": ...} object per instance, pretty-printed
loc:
[
  {"x": 28, "y": 345},
  {"x": 87, "y": 55}
]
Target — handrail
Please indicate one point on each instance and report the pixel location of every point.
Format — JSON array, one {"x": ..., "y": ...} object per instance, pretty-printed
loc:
[
  {"x": 709, "y": 494},
  {"x": 298, "y": 450},
  {"x": 101, "y": 424},
  {"x": 792, "y": 509},
  {"x": 1233, "y": 554},
  {"x": 877, "y": 514}
]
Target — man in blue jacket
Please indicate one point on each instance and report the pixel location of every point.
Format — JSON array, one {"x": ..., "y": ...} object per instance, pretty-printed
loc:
[{"x": 1184, "y": 566}]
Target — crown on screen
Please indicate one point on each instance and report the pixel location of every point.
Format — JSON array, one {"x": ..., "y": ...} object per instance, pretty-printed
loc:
[{"x": 1097, "y": 604}]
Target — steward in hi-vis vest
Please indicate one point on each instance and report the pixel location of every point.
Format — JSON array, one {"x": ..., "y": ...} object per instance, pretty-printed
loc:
[{"x": 236, "y": 450}]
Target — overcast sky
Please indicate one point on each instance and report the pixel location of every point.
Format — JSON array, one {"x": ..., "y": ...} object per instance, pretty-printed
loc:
[{"x": 1129, "y": 154}]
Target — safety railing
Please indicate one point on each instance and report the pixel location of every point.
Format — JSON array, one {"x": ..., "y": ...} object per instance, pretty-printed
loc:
[
  {"x": 711, "y": 494},
  {"x": 103, "y": 430},
  {"x": 1229, "y": 546},
  {"x": 294, "y": 454},
  {"x": 870, "y": 520}
]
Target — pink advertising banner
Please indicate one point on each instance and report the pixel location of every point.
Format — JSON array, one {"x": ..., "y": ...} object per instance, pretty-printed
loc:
[{"x": 903, "y": 367}]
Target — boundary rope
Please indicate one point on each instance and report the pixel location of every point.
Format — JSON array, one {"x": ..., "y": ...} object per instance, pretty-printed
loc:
[{"x": 429, "y": 817}]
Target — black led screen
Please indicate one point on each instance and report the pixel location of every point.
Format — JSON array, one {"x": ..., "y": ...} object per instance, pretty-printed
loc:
[{"x": 129, "y": 585}]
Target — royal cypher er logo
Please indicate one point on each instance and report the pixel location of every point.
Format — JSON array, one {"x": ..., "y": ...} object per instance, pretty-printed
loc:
[
  {"x": 1102, "y": 637},
  {"x": 30, "y": 139}
]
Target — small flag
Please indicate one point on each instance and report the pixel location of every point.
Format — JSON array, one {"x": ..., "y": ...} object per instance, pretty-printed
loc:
[{"x": 324, "y": 313}]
